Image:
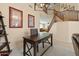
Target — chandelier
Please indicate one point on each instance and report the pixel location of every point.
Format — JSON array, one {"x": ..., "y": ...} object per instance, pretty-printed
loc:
[{"x": 43, "y": 6}]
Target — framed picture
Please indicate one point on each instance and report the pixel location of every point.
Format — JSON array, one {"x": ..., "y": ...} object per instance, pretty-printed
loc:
[
  {"x": 31, "y": 21},
  {"x": 15, "y": 18}
]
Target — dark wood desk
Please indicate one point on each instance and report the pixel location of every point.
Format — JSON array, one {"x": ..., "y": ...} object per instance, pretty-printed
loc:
[{"x": 34, "y": 41}]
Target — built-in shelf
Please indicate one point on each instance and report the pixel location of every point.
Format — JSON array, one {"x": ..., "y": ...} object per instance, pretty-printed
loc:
[
  {"x": 1, "y": 35},
  {"x": 3, "y": 45},
  {"x": 5, "y": 53},
  {"x": 4, "y": 34}
]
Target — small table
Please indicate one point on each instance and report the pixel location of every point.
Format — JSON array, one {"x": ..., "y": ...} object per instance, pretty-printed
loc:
[{"x": 34, "y": 40}]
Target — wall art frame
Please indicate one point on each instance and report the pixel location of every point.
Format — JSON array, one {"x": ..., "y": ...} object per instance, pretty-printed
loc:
[
  {"x": 31, "y": 21},
  {"x": 15, "y": 18}
]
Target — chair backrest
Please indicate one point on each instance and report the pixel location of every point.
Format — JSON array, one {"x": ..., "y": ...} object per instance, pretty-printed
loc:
[{"x": 34, "y": 31}]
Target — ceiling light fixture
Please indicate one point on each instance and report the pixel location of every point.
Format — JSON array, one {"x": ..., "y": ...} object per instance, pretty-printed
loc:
[{"x": 43, "y": 6}]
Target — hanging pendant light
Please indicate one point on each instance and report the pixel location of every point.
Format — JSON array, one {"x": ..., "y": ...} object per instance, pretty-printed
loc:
[{"x": 43, "y": 6}]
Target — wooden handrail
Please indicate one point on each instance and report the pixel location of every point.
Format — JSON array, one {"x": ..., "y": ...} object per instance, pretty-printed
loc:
[
  {"x": 70, "y": 10},
  {"x": 59, "y": 14},
  {"x": 51, "y": 23},
  {"x": 62, "y": 15}
]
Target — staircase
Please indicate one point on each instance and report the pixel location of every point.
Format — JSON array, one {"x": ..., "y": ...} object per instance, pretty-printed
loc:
[
  {"x": 59, "y": 14},
  {"x": 56, "y": 14},
  {"x": 67, "y": 15}
]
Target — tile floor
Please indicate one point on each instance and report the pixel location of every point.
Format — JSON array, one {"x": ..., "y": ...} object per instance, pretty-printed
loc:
[{"x": 59, "y": 49}]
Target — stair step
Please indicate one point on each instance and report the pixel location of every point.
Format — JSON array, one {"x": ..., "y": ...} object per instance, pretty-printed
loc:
[
  {"x": 5, "y": 53},
  {"x": 3, "y": 45}
]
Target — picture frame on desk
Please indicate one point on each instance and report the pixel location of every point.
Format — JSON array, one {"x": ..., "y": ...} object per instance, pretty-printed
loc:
[
  {"x": 15, "y": 18},
  {"x": 31, "y": 21}
]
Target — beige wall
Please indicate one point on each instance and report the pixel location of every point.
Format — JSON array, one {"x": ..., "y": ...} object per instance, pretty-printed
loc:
[
  {"x": 15, "y": 34},
  {"x": 73, "y": 28},
  {"x": 53, "y": 30},
  {"x": 62, "y": 31}
]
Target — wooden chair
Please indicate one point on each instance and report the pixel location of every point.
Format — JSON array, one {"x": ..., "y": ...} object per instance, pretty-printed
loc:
[{"x": 34, "y": 31}]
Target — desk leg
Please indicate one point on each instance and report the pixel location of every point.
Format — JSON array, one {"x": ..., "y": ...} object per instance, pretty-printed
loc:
[
  {"x": 24, "y": 47},
  {"x": 43, "y": 44},
  {"x": 35, "y": 49},
  {"x": 51, "y": 41}
]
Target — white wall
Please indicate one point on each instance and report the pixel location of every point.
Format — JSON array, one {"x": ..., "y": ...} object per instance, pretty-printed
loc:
[
  {"x": 61, "y": 31},
  {"x": 54, "y": 30}
]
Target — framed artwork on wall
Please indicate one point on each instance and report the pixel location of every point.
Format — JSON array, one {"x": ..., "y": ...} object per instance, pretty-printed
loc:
[
  {"x": 15, "y": 18},
  {"x": 31, "y": 21}
]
